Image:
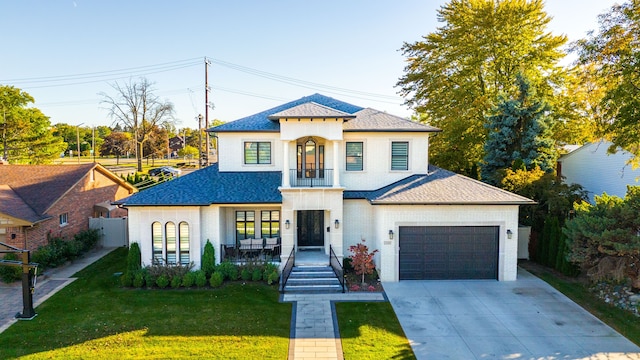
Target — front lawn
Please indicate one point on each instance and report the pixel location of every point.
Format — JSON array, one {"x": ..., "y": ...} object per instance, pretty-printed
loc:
[
  {"x": 93, "y": 318},
  {"x": 371, "y": 331}
]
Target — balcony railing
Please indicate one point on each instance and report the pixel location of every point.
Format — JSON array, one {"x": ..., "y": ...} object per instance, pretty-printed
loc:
[{"x": 311, "y": 178}]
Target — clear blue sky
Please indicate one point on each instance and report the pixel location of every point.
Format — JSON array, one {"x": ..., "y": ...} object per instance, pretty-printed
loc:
[{"x": 64, "y": 53}]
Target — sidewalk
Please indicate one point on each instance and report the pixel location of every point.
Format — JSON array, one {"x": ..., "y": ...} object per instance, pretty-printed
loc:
[
  {"x": 49, "y": 283},
  {"x": 314, "y": 330}
]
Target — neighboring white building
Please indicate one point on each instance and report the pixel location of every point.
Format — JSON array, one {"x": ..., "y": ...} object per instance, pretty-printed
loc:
[
  {"x": 597, "y": 171},
  {"x": 319, "y": 173}
]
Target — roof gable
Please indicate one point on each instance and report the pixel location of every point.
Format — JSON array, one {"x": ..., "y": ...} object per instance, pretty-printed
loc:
[
  {"x": 260, "y": 122},
  {"x": 310, "y": 110}
]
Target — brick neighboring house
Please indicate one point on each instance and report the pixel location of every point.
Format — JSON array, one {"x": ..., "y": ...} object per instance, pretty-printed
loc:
[{"x": 42, "y": 201}]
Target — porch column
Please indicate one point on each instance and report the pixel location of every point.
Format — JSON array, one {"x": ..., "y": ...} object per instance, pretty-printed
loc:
[
  {"x": 285, "y": 164},
  {"x": 336, "y": 164}
]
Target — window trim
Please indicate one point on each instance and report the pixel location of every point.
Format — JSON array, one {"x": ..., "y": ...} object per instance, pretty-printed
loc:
[
  {"x": 63, "y": 219},
  {"x": 245, "y": 222},
  {"x": 406, "y": 157},
  {"x": 257, "y": 150},
  {"x": 347, "y": 156},
  {"x": 271, "y": 222}
]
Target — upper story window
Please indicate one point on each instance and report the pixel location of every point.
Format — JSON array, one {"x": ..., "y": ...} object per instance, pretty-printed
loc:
[
  {"x": 257, "y": 152},
  {"x": 354, "y": 156},
  {"x": 400, "y": 155},
  {"x": 64, "y": 219}
]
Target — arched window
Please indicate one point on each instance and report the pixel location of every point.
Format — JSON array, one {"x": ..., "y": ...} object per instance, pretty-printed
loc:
[
  {"x": 183, "y": 232},
  {"x": 156, "y": 235},
  {"x": 170, "y": 231}
]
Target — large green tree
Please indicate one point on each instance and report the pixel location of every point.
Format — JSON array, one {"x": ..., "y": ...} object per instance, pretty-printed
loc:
[
  {"x": 612, "y": 53},
  {"x": 27, "y": 136},
  {"x": 519, "y": 132},
  {"x": 135, "y": 107},
  {"x": 454, "y": 75}
]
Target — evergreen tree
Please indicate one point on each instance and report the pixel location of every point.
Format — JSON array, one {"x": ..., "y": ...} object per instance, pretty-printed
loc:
[{"x": 519, "y": 133}]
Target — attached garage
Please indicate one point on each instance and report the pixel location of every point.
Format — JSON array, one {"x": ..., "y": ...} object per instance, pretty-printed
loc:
[{"x": 448, "y": 252}]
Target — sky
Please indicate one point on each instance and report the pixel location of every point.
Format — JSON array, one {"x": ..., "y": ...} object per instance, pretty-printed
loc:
[{"x": 66, "y": 53}]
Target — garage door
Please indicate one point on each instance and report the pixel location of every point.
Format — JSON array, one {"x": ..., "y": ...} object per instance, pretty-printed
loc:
[{"x": 448, "y": 252}]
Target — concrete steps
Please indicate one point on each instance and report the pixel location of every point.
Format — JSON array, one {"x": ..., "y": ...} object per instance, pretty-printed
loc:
[{"x": 312, "y": 279}]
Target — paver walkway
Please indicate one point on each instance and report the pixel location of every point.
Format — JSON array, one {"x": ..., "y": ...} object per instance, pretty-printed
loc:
[
  {"x": 50, "y": 283},
  {"x": 314, "y": 333}
]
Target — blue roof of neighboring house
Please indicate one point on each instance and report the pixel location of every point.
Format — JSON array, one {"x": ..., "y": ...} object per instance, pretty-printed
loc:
[
  {"x": 261, "y": 122},
  {"x": 210, "y": 186},
  {"x": 439, "y": 187}
]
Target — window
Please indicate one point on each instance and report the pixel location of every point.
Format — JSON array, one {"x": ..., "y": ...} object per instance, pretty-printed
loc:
[
  {"x": 245, "y": 225},
  {"x": 183, "y": 230},
  {"x": 270, "y": 224},
  {"x": 354, "y": 156},
  {"x": 156, "y": 235},
  {"x": 399, "y": 155},
  {"x": 257, "y": 152},
  {"x": 64, "y": 219},
  {"x": 170, "y": 229},
  {"x": 170, "y": 247}
]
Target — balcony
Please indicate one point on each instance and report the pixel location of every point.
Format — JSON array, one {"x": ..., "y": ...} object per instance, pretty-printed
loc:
[{"x": 311, "y": 177}]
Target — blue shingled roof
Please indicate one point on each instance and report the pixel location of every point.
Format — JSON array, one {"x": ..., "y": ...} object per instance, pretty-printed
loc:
[
  {"x": 210, "y": 186},
  {"x": 261, "y": 122},
  {"x": 438, "y": 187}
]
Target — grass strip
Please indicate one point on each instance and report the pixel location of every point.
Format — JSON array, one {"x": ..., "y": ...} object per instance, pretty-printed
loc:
[{"x": 371, "y": 331}]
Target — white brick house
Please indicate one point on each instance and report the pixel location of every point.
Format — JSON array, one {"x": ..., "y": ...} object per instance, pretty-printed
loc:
[{"x": 319, "y": 173}]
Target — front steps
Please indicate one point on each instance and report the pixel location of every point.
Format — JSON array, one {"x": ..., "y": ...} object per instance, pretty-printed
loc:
[{"x": 312, "y": 279}]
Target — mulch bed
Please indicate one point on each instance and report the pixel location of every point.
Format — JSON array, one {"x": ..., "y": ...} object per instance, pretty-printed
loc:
[{"x": 354, "y": 282}]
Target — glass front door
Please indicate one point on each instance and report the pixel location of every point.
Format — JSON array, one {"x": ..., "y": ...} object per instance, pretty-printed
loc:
[{"x": 310, "y": 228}]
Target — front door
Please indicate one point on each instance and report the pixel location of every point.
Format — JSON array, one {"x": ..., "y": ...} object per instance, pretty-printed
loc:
[{"x": 310, "y": 228}]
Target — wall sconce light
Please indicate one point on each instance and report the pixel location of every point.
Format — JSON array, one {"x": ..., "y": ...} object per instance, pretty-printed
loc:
[
  {"x": 336, "y": 223},
  {"x": 509, "y": 234},
  {"x": 287, "y": 224},
  {"x": 390, "y": 234}
]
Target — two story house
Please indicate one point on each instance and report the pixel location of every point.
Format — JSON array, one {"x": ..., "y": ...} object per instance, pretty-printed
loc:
[{"x": 319, "y": 173}]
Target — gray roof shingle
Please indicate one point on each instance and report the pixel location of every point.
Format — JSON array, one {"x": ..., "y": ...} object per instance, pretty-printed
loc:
[
  {"x": 210, "y": 186},
  {"x": 310, "y": 110},
  {"x": 439, "y": 187}
]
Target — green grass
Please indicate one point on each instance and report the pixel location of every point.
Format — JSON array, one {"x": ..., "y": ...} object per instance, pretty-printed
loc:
[
  {"x": 622, "y": 321},
  {"x": 93, "y": 318},
  {"x": 371, "y": 331}
]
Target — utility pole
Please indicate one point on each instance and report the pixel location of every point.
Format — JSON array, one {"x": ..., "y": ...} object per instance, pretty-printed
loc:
[
  {"x": 199, "y": 141},
  {"x": 93, "y": 143},
  {"x": 206, "y": 108},
  {"x": 4, "y": 133},
  {"x": 78, "y": 140}
]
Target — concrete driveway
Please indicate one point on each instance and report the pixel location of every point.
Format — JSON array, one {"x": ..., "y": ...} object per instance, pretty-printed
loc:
[{"x": 484, "y": 319}]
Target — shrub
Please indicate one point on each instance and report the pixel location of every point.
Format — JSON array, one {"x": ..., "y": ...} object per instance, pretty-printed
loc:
[
  {"x": 346, "y": 264},
  {"x": 149, "y": 278},
  {"x": 216, "y": 279},
  {"x": 59, "y": 250},
  {"x": 208, "y": 264},
  {"x": 273, "y": 278},
  {"x": 268, "y": 269},
  {"x": 256, "y": 275},
  {"x": 170, "y": 271},
  {"x": 201, "y": 278},
  {"x": 138, "y": 278},
  {"x": 229, "y": 271},
  {"x": 189, "y": 279},
  {"x": 245, "y": 274},
  {"x": 176, "y": 282},
  {"x": 162, "y": 281},
  {"x": 10, "y": 274}
]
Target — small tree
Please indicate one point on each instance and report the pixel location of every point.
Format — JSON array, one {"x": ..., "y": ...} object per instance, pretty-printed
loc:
[
  {"x": 362, "y": 259},
  {"x": 134, "y": 259},
  {"x": 208, "y": 263}
]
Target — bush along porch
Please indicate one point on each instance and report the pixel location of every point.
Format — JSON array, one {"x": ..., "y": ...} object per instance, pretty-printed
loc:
[{"x": 176, "y": 276}]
